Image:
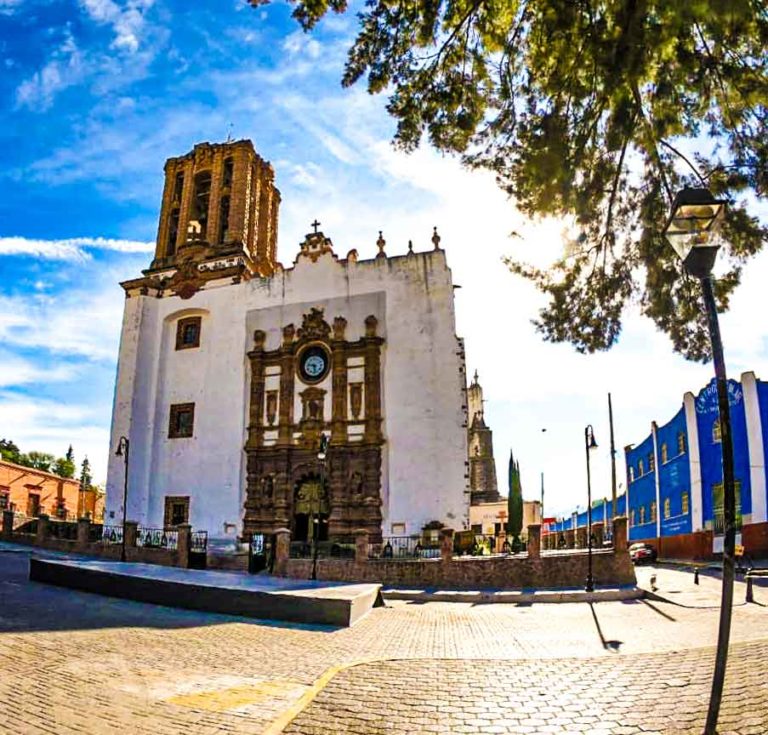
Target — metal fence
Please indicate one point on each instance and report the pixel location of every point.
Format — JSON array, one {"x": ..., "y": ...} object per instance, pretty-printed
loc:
[
  {"x": 157, "y": 538},
  {"x": 62, "y": 530},
  {"x": 198, "y": 542},
  {"x": 403, "y": 548},
  {"x": 111, "y": 535},
  {"x": 339, "y": 547}
]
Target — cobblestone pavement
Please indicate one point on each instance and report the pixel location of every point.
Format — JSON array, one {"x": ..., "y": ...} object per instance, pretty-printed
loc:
[{"x": 71, "y": 662}]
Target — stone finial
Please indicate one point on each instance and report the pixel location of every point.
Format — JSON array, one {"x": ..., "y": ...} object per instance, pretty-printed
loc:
[
  {"x": 339, "y": 326},
  {"x": 371, "y": 323},
  {"x": 436, "y": 239},
  {"x": 381, "y": 242},
  {"x": 259, "y": 337},
  {"x": 352, "y": 256},
  {"x": 289, "y": 332},
  {"x": 410, "y": 247}
]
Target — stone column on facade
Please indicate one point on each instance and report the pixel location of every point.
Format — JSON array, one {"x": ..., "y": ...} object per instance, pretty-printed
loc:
[
  {"x": 361, "y": 545},
  {"x": 620, "y": 533},
  {"x": 446, "y": 544},
  {"x": 372, "y": 377},
  {"x": 214, "y": 197},
  {"x": 282, "y": 551},
  {"x": 534, "y": 541},
  {"x": 287, "y": 372},
  {"x": 42, "y": 529},
  {"x": 183, "y": 544},
  {"x": 83, "y": 533},
  {"x": 131, "y": 533},
  {"x": 187, "y": 197},
  {"x": 7, "y": 523},
  {"x": 597, "y": 532},
  {"x": 339, "y": 384}
]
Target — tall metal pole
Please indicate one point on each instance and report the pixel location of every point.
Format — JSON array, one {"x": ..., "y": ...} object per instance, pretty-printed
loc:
[
  {"x": 729, "y": 508},
  {"x": 542, "y": 497},
  {"x": 613, "y": 460},
  {"x": 126, "y": 443},
  {"x": 590, "y": 584}
]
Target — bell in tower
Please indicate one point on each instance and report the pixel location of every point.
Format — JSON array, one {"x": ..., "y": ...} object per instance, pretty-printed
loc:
[{"x": 219, "y": 200}]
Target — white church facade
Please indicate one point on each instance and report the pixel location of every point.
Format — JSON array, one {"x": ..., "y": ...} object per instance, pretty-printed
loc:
[{"x": 231, "y": 368}]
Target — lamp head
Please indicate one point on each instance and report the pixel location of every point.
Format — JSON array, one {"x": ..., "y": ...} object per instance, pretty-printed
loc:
[
  {"x": 589, "y": 436},
  {"x": 692, "y": 227}
]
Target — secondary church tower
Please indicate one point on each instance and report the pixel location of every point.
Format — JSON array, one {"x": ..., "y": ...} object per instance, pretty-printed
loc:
[{"x": 232, "y": 367}]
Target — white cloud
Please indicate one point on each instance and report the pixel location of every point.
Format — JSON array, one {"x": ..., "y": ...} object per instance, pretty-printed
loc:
[
  {"x": 15, "y": 371},
  {"x": 66, "y": 68},
  {"x": 127, "y": 20},
  {"x": 75, "y": 248},
  {"x": 83, "y": 323},
  {"x": 51, "y": 426},
  {"x": 299, "y": 43}
]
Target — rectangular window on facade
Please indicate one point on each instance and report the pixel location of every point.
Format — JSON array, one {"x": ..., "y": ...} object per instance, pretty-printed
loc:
[
  {"x": 182, "y": 420},
  {"x": 667, "y": 508},
  {"x": 631, "y": 474},
  {"x": 5, "y": 500},
  {"x": 188, "y": 332},
  {"x": 33, "y": 505},
  {"x": 651, "y": 462},
  {"x": 640, "y": 468},
  {"x": 681, "y": 443},
  {"x": 176, "y": 510},
  {"x": 642, "y": 515},
  {"x": 685, "y": 503},
  {"x": 664, "y": 453},
  {"x": 716, "y": 432},
  {"x": 398, "y": 529},
  {"x": 653, "y": 513}
]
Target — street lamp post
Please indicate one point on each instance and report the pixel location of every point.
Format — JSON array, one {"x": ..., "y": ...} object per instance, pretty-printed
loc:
[
  {"x": 322, "y": 456},
  {"x": 696, "y": 216},
  {"x": 589, "y": 445},
  {"x": 123, "y": 450}
]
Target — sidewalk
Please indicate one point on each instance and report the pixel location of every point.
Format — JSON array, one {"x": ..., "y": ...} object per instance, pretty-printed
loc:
[{"x": 676, "y": 585}]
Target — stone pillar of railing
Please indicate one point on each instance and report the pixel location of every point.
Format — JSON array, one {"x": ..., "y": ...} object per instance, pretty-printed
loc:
[
  {"x": 42, "y": 529},
  {"x": 282, "y": 551},
  {"x": 131, "y": 532},
  {"x": 581, "y": 537},
  {"x": 361, "y": 545},
  {"x": 183, "y": 543},
  {"x": 620, "y": 533},
  {"x": 83, "y": 532},
  {"x": 570, "y": 539},
  {"x": 7, "y": 523},
  {"x": 597, "y": 532},
  {"x": 446, "y": 544},
  {"x": 534, "y": 541}
]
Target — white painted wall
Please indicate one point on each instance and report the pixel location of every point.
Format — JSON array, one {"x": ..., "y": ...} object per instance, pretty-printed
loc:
[{"x": 422, "y": 371}]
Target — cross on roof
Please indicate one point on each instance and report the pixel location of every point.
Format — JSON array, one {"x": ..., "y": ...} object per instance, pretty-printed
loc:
[{"x": 315, "y": 224}]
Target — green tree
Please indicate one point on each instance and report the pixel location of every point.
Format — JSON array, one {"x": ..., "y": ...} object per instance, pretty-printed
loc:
[
  {"x": 593, "y": 110},
  {"x": 85, "y": 475},
  {"x": 37, "y": 460},
  {"x": 514, "y": 503},
  {"x": 9, "y": 451},
  {"x": 65, "y": 466}
]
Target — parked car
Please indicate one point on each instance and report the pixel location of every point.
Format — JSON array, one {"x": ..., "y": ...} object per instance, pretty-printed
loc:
[{"x": 642, "y": 553}]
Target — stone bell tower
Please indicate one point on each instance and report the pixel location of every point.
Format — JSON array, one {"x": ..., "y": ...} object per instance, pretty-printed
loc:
[
  {"x": 219, "y": 200},
  {"x": 482, "y": 466}
]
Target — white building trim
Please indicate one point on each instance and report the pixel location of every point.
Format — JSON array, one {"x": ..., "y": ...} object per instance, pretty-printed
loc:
[
  {"x": 694, "y": 463},
  {"x": 755, "y": 446}
]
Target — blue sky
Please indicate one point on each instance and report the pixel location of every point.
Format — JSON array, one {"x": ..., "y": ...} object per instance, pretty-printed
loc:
[{"x": 96, "y": 94}]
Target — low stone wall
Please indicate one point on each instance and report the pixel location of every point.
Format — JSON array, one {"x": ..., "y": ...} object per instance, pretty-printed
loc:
[
  {"x": 143, "y": 554},
  {"x": 555, "y": 570}
]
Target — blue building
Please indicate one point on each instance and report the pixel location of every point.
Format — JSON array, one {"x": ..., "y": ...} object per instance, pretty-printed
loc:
[{"x": 675, "y": 476}]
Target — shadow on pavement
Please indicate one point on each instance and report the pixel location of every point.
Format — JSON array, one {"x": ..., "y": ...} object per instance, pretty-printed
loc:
[
  {"x": 607, "y": 645},
  {"x": 30, "y": 606}
]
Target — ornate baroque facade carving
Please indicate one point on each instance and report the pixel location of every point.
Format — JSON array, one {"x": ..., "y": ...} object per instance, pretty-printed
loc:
[{"x": 282, "y": 471}]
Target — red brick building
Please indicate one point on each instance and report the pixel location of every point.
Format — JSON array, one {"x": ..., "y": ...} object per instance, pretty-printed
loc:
[{"x": 32, "y": 492}]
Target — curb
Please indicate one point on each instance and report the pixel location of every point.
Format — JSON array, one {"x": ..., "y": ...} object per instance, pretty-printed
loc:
[{"x": 615, "y": 594}]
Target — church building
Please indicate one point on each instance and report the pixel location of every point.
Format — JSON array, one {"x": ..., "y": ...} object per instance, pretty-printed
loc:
[{"x": 232, "y": 369}]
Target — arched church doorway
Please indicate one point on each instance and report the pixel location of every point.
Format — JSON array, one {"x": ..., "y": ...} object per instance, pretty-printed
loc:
[{"x": 311, "y": 507}]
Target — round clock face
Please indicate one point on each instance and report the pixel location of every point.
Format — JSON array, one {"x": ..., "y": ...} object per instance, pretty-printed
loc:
[{"x": 313, "y": 364}]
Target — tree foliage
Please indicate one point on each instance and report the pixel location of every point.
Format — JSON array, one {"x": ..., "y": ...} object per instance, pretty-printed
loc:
[
  {"x": 9, "y": 451},
  {"x": 593, "y": 110},
  {"x": 86, "y": 479},
  {"x": 514, "y": 501}
]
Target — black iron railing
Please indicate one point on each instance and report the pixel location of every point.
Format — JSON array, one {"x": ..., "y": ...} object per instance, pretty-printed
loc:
[
  {"x": 404, "y": 548},
  {"x": 198, "y": 542},
  {"x": 111, "y": 534},
  {"x": 157, "y": 538},
  {"x": 341, "y": 547},
  {"x": 62, "y": 530}
]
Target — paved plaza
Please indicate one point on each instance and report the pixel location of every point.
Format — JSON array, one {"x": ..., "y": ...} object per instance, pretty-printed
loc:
[{"x": 72, "y": 662}]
